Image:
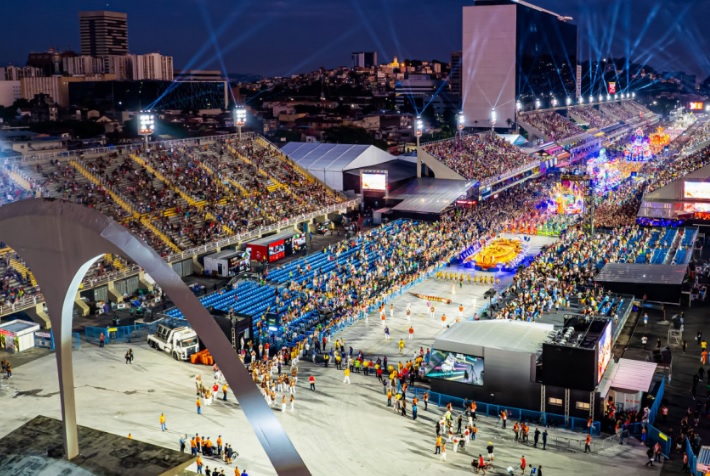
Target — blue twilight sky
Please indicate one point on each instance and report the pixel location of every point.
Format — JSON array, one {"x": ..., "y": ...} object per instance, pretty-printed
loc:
[{"x": 279, "y": 37}]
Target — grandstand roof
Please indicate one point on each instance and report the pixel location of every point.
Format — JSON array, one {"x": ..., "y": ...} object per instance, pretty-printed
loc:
[
  {"x": 514, "y": 336},
  {"x": 642, "y": 273},
  {"x": 329, "y": 161},
  {"x": 428, "y": 195},
  {"x": 669, "y": 202}
]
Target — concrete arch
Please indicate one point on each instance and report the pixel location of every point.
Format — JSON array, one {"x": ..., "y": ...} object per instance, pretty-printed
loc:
[{"x": 59, "y": 241}]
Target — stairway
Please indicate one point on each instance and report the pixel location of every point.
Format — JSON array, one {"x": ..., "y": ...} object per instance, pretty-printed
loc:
[
  {"x": 127, "y": 207},
  {"x": 22, "y": 269},
  {"x": 274, "y": 185},
  {"x": 19, "y": 180},
  {"x": 234, "y": 183},
  {"x": 93, "y": 179}
]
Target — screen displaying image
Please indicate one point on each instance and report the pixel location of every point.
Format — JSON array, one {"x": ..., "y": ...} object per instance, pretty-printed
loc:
[
  {"x": 374, "y": 182},
  {"x": 604, "y": 354},
  {"x": 456, "y": 367},
  {"x": 699, "y": 190}
]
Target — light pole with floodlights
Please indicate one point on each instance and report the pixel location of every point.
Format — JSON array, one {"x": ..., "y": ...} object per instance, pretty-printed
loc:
[
  {"x": 146, "y": 125},
  {"x": 460, "y": 123},
  {"x": 494, "y": 117},
  {"x": 418, "y": 131},
  {"x": 240, "y": 119}
]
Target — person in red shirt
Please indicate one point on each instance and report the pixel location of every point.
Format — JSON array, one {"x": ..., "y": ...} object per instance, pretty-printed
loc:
[
  {"x": 523, "y": 464},
  {"x": 312, "y": 381},
  {"x": 587, "y": 443}
]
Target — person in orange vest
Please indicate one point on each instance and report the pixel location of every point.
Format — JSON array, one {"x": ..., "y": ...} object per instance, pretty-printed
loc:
[
  {"x": 219, "y": 445},
  {"x": 437, "y": 448},
  {"x": 224, "y": 392},
  {"x": 198, "y": 403},
  {"x": 199, "y": 464},
  {"x": 193, "y": 446},
  {"x": 162, "y": 422},
  {"x": 198, "y": 442},
  {"x": 460, "y": 311},
  {"x": 312, "y": 381},
  {"x": 587, "y": 443},
  {"x": 426, "y": 400},
  {"x": 516, "y": 431},
  {"x": 443, "y": 320},
  {"x": 704, "y": 357},
  {"x": 411, "y": 332}
]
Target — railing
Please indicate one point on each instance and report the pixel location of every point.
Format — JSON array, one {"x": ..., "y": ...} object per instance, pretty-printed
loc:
[
  {"x": 66, "y": 155},
  {"x": 512, "y": 173},
  {"x": 25, "y": 302}
]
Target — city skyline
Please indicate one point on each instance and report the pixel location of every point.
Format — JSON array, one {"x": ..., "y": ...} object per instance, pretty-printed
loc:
[{"x": 277, "y": 38}]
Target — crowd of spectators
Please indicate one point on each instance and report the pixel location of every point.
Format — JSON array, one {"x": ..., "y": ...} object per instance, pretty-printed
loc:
[
  {"x": 479, "y": 156},
  {"x": 617, "y": 111},
  {"x": 596, "y": 118},
  {"x": 552, "y": 125}
]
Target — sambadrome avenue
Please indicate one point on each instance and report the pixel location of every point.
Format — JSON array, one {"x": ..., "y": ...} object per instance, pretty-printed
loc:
[{"x": 345, "y": 237}]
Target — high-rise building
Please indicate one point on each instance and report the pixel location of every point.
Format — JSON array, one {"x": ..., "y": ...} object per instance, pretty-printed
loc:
[
  {"x": 364, "y": 59},
  {"x": 103, "y": 33},
  {"x": 80, "y": 65},
  {"x": 16, "y": 73},
  {"x": 152, "y": 66},
  {"x": 514, "y": 51},
  {"x": 10, "y": 91},
  {"x": 119, "y": 65},
  {"x": 455, "y": 73},
  {"x": 50, "y": 62}
]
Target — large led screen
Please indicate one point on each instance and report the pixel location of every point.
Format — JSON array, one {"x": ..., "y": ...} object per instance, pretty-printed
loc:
[
  {"x": 456, "y": 367},
  {"x": 698, "y": 190},
  {"x": 374, "y": 182},
  {"x": 604, "y": 353}
]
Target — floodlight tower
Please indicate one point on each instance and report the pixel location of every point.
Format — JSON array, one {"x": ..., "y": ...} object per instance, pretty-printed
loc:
[
  {"x": 240, "y": 119},
  {"x": 460, "y": 123},
  {"x": 494, "y": 117},
  {"x": 568, "y": 101},
  {"x": 146, "y": 125},
  {"x": 418, "y": 131}
]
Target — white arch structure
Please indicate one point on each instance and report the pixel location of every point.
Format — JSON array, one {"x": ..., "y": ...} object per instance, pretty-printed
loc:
[{"x": 59, "y": 241}]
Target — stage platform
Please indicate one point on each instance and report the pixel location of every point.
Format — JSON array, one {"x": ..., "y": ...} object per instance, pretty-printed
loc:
[{"x": 428, "y": 195}]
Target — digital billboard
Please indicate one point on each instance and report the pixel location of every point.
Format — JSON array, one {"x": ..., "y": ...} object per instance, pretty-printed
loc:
[
  {"x": 374, "y": 181},
  {"x": 603, "y": 351},
  {"x": 696, "y": 190},
  {"x": 612, "y": 87},
  {"x": 456, "y": 367},
  {"x": 696, "y": 106}
]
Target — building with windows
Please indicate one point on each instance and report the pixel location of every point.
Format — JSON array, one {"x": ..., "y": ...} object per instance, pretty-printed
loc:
[
  {"x": 415, "y": 89},
  {"x": 152, "y": 66},
  {"x": 16, "y": 73},
  {"x": 364, "y": 59},
  {"x": 81, "y": 65},
  {"x": 514, "y": 51},
  {"x": 455, "y": 77},
  {"x": 103, "y": 33},
  {"x": 10, "y": 91}
]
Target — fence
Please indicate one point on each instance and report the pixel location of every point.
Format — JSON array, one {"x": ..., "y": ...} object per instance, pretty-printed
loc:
[
  {"x": 490, "y": 409},
  {"x": 655, "y": 408},
  {"x": 692, "y": 459},
  {"x": 116, "y": 334}
]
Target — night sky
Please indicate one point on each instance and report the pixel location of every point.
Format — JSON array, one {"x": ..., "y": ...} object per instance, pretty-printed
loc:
[{"x": 281, "y": 37}]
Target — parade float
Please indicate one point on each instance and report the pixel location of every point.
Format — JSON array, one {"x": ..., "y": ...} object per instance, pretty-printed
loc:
[{"x": 500, "y": 253}]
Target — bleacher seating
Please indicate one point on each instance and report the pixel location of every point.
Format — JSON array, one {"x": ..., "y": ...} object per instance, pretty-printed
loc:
[
  {"x": 552, "y": 125},
  {"x": 479, "y": 156}
]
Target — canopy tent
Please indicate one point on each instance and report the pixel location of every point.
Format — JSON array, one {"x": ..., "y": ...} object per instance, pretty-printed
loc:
[{"x": 328, "y": 161}]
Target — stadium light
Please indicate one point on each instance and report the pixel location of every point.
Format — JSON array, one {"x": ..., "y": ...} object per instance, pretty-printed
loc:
[
  {"x": 146, "y": 125},
  {"x": 633, "y": 95},
  {"x": 240, "y": 119},
  {"x": 537, "y": 104},
  {"x": 460, "y": 122},
  {"x": 608, "y": 97},
  {"x": 494, "y": 117},
  {"x": 601, "y": 98},
  {"x": 418, "y": 131},
  {"x": 569, "y": 100},
  {"x": 591, "y": 99},
  {"x": 554, "y": 102},
  {"x": 581, "y": 99},
  {"x": 518, "y": 106}
]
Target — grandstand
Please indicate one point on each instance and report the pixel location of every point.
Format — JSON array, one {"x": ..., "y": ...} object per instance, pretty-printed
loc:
[{"x": 180, "y": 197}]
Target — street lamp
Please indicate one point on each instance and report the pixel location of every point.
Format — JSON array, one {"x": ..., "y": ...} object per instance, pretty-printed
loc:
[
  {"x": 494, "y": 116},
  {"x": 418, "y": 131},
  {"x": 460, "y": 123},
  {"x": 146, "y": 125},
  {"x": 240, "y": 119}
]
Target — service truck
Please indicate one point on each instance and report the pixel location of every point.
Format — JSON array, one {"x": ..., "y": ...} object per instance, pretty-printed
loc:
[{"x": 180, "y": 342}]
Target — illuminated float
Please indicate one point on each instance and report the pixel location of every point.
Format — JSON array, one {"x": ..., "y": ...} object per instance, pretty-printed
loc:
[
  {"x": 568, "y": 198},
  {"x": 499, "y": 253},
  {"x": 639, "y": 149}
]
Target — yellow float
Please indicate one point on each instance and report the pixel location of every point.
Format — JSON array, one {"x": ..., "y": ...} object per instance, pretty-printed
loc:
[{"x": 499, "y": 251}]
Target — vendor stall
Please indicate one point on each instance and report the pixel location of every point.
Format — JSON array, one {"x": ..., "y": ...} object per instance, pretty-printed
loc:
[{"x": 17, "y": 335}]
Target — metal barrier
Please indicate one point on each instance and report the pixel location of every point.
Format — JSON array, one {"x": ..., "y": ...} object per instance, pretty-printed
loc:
[
  {"x": 655, "y": 408},
  {"x": 547, "y": 419},
  {"x": 692, "y": 459}
]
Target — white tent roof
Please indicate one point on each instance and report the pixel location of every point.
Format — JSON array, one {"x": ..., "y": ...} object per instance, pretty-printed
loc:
[
  {"x": 335, "y": 157},
  {"x": 504, "y": 334},
  {"x": 629, "y": 376}
]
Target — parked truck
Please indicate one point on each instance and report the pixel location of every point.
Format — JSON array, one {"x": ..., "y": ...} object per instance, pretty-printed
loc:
[{"x": 180, "y": 342}]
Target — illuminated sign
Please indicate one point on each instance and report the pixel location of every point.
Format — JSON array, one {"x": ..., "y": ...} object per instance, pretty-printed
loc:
[
  {"x": 611, "y": 88},
  {"x": 374, "y": 181},
  {"x": 696, "y": 190},
  {"x": 696, "y": 106}
]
